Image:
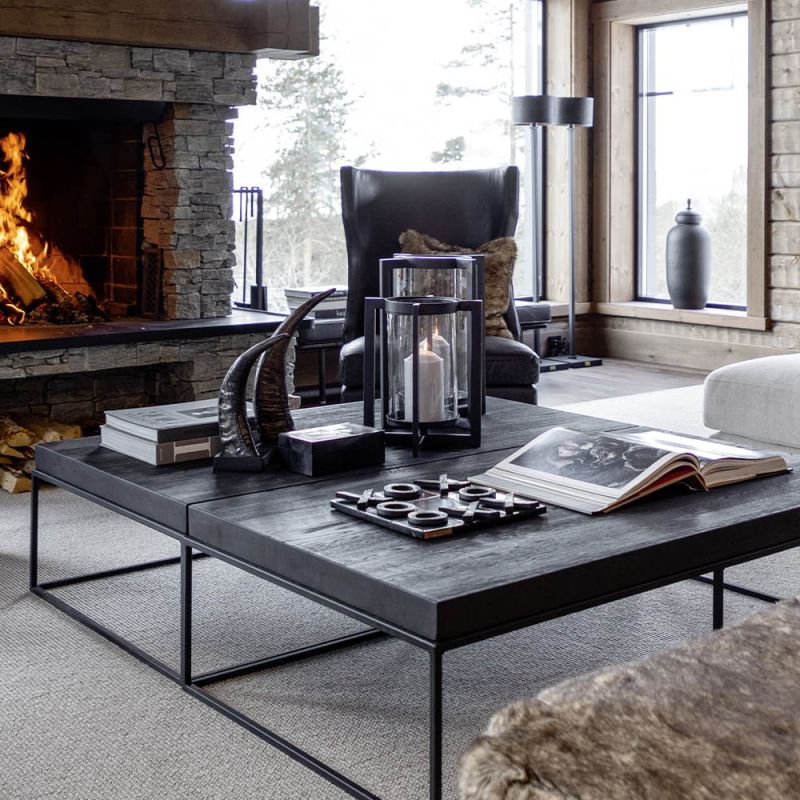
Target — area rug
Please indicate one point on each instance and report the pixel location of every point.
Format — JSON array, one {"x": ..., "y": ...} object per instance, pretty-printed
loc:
[{"x": 82, "y": 720}]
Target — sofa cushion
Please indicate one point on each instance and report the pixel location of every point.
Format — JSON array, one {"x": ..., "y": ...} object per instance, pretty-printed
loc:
[
  {"x": 718, "y": 717},
  {"x": 508, "y": 363},
  {"x": 758, "y": 399},
  {"x": 500, "y": 257}
]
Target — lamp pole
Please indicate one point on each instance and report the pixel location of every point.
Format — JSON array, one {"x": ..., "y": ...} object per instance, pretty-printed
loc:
[{"x": 568, "y": 112}]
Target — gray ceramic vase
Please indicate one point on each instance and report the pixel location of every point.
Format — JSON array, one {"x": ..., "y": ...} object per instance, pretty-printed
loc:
[{"x": 688, "y": 261}]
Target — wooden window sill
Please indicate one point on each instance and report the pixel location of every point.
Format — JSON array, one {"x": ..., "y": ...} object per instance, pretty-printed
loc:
[
  {"x": 717, "y": 317},
  {"x": 558, "y": 308}
]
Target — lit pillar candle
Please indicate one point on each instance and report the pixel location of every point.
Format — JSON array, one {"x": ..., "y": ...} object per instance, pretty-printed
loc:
[
  {"x": 441, "y": 347},
  {"x": 431, "y": 386}
]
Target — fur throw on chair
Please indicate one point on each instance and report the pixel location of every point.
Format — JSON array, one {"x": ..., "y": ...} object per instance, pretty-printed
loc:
[{"x": 500, "y": 257}]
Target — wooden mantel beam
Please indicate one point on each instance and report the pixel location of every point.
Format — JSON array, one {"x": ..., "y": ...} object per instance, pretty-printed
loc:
[{"x": 275, "y": 28}]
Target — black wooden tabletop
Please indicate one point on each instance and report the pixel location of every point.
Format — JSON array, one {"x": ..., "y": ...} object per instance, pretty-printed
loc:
[
  {"x": 460, "y": 586},
  {"x": 164, "y": 494}
]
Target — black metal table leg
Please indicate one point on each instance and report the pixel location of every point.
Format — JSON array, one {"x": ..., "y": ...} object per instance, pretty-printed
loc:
[
  {"x": 743, "y": 590},
  {"x": 435, "y": 733},
  {"x": 186, "y": 614},
  {"x": 719, "y": 597},
  {"x": 33, "y": 565},
  {"x": 322, "y": 377}
]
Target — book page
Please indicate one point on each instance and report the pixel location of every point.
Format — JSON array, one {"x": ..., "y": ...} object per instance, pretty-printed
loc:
[
  {"x": 703, "y": 449},
  {"x": 600, "y": 463}
]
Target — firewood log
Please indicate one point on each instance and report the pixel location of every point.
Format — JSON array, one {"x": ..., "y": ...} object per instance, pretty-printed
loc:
[
  {"x": 15, "y": 435},
  {"x": 11, "y": 452},
  {"x": 46, "y": 430},
  {"x": 19, "y": 283},
  {"x": 14, "y": 481}
]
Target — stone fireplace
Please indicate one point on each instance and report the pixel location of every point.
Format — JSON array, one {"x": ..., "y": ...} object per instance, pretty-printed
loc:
[
  {"x": 130, "y": 175},
  {"x": 115, "y": 197}
]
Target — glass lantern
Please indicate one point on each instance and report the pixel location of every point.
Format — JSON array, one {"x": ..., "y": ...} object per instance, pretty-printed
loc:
[
  {"x": 421, "y": 345},
  {"x": 460, "y": 277}
]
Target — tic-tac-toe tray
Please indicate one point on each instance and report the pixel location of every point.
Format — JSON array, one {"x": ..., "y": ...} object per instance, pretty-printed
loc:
[{"x": 429, "y": 509}]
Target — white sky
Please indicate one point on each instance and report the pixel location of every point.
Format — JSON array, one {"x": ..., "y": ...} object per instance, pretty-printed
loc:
[{"x": 392, "y": 62}]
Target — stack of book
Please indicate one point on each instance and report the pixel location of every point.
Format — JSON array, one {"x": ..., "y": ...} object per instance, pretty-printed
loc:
[
  {"x": 165, "y": 434},
  {"x": 332, "y": 307}
]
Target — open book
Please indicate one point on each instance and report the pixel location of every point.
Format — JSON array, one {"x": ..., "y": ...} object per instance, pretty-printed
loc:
[{"x": 596, "y": 472}]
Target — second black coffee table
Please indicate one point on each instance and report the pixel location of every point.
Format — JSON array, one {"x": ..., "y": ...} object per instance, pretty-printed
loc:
[{"x": 437, "y": 595}]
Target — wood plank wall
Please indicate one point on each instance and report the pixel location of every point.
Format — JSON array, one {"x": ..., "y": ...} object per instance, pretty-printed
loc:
[{"x": 707, "y": 347}]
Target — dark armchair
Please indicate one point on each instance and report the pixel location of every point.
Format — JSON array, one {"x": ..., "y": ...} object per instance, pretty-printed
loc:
[{"x": 465, "y": 208}]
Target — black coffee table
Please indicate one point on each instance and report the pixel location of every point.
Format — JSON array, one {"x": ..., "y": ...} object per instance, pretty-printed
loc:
[{"x": 437, "y": 595}]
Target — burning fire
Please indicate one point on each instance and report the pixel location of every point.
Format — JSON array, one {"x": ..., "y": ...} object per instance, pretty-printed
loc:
[
  {"x": 14, "y": 236},
  {"x": 26, "y": 278}
]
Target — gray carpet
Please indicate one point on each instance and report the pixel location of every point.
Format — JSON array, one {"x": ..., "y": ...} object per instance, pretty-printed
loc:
[{"x": 81, "y": 720}]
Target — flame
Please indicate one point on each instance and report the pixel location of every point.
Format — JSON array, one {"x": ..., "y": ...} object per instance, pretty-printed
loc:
[
  {"x": 9, "y": 306},
  {"x": 59, "y": 275},
  {"x": 13, "y": 234}
]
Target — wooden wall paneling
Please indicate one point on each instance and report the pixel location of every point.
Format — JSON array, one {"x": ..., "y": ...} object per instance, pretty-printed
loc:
[
  {"x": 683, "y": 350},
  {"x": 785, "y": 272},
  {"x": 786, "y": 37},
  {"x": 216, "y": 25},
  {"x": 581, "y": 85},
  {"x": 785, "y": 205},
  {"x": 786, "y": 170},
  {"x": 622, "y": 235},
  {"x": 568, "y": 73},
  {"x": 785, "y": 9},
  {"x": 786, "y": 137},
  {"x": 785, "y": 68},
  {"x": 758, "y": 158},
  {"x": 559, "y": 72},
  {"x": 601, "y": 192},
  {"x": 785, "y": 104},
  {"x": 785, "y": 305},
  {"x": 785, "y": 238}
]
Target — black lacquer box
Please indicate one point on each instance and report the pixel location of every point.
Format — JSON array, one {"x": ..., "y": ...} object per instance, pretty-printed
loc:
[{"x": 331, "y": 448}]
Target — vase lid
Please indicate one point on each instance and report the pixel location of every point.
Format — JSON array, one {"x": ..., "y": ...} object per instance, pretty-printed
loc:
[{"x": 688, "y": 216}]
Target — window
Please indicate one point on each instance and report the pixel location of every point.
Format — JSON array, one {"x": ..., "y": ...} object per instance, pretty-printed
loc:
[
  {"x": 399, "y": 85},
  {"x": 693, "y": 143}
]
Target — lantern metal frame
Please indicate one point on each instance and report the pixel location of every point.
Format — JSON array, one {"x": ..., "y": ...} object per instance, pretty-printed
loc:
[
  {"x": 465, "y": 431},
  {"x": 437, "y": 262},
  {"x": 477, "y": 287}
]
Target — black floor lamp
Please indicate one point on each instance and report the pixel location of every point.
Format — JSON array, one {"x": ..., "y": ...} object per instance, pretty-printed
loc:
[{"x": 570, "y": 112}]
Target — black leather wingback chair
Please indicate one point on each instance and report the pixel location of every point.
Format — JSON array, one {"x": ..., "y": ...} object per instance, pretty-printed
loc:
[{"x": 465, "y": 208}]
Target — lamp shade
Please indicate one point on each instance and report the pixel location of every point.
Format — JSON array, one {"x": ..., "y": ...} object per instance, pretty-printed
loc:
[{"x": 544, "y": 109}]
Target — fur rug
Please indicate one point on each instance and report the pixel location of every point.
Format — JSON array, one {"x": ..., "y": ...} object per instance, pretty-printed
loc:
[
  {"x": 500, "y": 257},
  {"x": 718, "y": 717}
]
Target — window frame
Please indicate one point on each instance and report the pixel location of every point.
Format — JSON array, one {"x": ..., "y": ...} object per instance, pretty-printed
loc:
[
  {"x": 639, "y": 157},
  {"x": 253, "y": 296},
  {"x": 614, "y": 245}
]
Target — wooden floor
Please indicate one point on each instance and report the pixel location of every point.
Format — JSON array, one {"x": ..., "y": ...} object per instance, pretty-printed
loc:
[{"x": 615, "y": 378}]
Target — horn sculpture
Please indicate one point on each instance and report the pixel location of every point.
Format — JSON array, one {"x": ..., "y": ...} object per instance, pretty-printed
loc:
[
  {"x": 236, "y": 438},
  {"x": 271, "y": 391}
]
